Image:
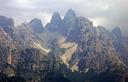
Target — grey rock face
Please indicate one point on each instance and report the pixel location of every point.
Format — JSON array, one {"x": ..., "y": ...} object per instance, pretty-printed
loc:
[
  {"x": 90, "y": 48},
  {"x": 95, "y": 45},
  {"x": 7, "y": 24},
  {"x": 69, "y": 21},
  {"x": 95, "y": 49},
  {"x": 3, "y": 55},
  {"x": 70, "y": 15},
  {"x": 81, "y": 24},
  {"x": 55, "y": 24},
  {"x": 117, "y": 32},
  {"x": 117, "y": 38},
  {"x": 32, "y": 63},
  {"x": 63, "y": 26},
  {"x": 120, "y": 44},
  {"x": 8, "y": 49},
  {"x": 36, "y": 25}
]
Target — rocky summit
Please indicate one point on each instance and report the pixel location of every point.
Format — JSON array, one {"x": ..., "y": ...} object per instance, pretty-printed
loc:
[
  {"x": 36, "y": 25},
  {"x": 68, "y": 49}
]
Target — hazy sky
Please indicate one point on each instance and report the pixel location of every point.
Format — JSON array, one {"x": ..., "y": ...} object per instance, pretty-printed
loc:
[{"x": 108, "y": 13}]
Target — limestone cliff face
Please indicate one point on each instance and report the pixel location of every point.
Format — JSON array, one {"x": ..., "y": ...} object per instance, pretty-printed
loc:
[
  {"x": 55, "y": 24},
  {"x": 3, "y": 55},
  {"x": 84, "y": 46},
  {"x": 87, "y": 47},
  {"x": 95, "y": 47},
  {"x": 7, "y": 24},
  {"x": 7, "y": 49},
  {"x": 120, "y": 44},
  {"x": 32, "y": 63},
  {"x": 72, "y": 42},
  {"x": 36, "y": 25}
]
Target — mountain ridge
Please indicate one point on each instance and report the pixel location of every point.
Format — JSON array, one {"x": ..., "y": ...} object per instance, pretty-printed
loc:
[{"x": 71, "y": 44}]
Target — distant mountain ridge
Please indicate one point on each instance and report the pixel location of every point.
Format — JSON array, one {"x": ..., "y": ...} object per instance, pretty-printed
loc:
[{"x": 63, "y": 45}]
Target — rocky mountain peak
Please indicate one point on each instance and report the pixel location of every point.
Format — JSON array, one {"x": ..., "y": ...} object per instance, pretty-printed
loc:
[
  {"x": 36, "y": 25},
  {"x": 82, "y": 22},
  {"x": 117, "y": 32},
  {"x": 55, "y": 24},
  {"x": 70, "y": 15},
  {"x": 56, "y": 18},
  {"x": 80, "y": 25},
  {"x": 64, "y": 45},
  {"x": 7, "y": 24}
]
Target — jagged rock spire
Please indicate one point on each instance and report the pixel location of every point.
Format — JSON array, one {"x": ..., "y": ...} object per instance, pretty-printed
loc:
[
  {"x": 55, "y": 23},
  {"x": 7, "y": 24},
  {"x": 117, "y": 32},
  {"x": 56, "y": 17},
  {"x": 70, "y": 15},
  {"x": 36, "y": 25}
]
